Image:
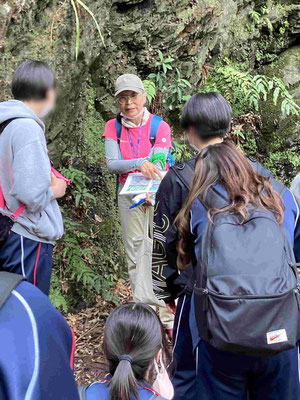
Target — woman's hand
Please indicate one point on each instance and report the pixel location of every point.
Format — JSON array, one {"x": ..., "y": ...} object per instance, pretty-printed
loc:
[{"x": 149, "y": 170}]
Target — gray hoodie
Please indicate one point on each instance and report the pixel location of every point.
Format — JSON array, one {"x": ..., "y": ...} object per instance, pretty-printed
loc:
[{"x": 25, "y": 174}]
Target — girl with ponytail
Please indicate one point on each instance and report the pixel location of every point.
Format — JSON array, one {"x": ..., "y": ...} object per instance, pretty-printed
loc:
[{"x": 135, "y": 347}]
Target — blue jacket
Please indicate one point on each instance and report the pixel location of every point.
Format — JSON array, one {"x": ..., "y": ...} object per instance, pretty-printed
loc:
[
  {"x": 100, "y": 390},
  {"x": 36, "y": 349},
  {"x": 199, "y": 220}
]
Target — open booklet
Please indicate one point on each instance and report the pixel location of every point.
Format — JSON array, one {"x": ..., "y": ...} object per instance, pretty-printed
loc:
[{"x": 136, "y": 183}]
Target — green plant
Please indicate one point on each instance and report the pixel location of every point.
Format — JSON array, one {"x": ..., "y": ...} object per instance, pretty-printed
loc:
[
  {"x": 183, "y": 151},
  {"x": 163, "y": 65},
  {"x": 246, "y": 91},
  {"x": 176, "y": 91},
  {"x": 150, "y": 89},
  {"x": 288, "y": 105},
  {"x": 172, "y": 89},
  {"x": 76, "y": 4},
  {"x": 77, "y": 256},
  {"x": 255, "y": 16},
  {"x": 80, "y": 192},
  {"x": 56, "y": 295}
]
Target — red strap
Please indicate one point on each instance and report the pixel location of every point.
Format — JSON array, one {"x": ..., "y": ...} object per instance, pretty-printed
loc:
[
  {"x": 2, "y": 200},
  {"x": 73, "y": 349},
  {"x": 60, "y": 176},
  {"x": 18, "y": 212}
]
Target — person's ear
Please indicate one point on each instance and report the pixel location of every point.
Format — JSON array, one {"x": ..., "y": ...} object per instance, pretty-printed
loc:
[
  {"x": 145, "y": 99},
  {"x": 158, "y": 356}
]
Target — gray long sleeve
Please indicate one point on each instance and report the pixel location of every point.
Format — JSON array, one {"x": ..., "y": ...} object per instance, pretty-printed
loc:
[{"x": 114, "y": 162}]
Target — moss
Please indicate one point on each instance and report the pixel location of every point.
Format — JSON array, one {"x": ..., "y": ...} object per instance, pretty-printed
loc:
[{"x": 92, "y": 146}]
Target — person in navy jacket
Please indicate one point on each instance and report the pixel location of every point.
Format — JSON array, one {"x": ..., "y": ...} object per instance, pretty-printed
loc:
[
  {"x": 36, "y": 348},
  {"x": 222, "y": 374},
  {"x": 134, "y": 344},
  {"x": 207, "y": 119}
]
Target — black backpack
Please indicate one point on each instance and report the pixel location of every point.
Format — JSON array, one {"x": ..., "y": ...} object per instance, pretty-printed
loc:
[
  {"x": 246, "y": 286},
  {"x": 8, "y": 282}
]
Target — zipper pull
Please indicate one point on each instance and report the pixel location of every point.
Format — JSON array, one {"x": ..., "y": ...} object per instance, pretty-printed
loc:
[
  {"x": 297, "y": 293},
  {"x": 205, "y": 299}
]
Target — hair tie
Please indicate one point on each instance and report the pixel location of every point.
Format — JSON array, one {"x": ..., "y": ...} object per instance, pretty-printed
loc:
[{"x": 125, "y": 357}]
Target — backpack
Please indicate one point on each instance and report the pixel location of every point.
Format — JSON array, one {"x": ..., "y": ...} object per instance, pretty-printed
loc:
[
  {"x": 155, "y": 122},
  {"x": 6, "y": 222},
  {"x": 8, "y": 282},
  {"x": 246, "y": 286}
]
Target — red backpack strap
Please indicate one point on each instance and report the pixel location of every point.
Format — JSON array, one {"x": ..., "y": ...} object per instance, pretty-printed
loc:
[
  {"x": 2, "y": 200},
  {"x": 18, "y": 212}
]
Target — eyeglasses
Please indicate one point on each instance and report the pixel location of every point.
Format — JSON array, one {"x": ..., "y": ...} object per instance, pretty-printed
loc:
[{"x": 122, "y": 100}]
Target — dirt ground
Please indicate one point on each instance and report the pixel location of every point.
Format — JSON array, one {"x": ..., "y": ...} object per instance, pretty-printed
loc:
[{"x": 88, "y": 326}]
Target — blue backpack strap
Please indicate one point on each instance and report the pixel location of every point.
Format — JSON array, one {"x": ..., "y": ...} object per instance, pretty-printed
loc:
[
  {"x": 119, "y": 132},
  {"x": 156, "y": 121},
  {"x": 118, "y": 129}
]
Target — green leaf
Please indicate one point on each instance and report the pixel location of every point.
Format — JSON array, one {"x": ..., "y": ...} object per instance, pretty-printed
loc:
[
  {"x": 160, "y": 55},
  {"x": 275, "y": 95},
  {"x": 94, "y": 18},
  {"x": 169, "y": 60},
  {"x": 77, "y": 29}
]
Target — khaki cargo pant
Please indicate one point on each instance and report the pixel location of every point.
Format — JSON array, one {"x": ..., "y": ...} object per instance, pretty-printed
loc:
[{"x": 133, "y": 222}]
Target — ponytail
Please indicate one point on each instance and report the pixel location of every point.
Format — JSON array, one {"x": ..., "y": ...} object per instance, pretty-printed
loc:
[
  {"x": 133, "y": 336},
  {"x": 123, "y": 383}
]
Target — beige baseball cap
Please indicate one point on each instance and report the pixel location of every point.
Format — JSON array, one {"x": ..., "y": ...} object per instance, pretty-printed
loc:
[{"x": 129, "y": 82}]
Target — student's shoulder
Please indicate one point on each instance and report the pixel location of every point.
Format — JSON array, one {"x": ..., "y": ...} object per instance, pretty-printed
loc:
[
  {"x": 98, "y": 390},
  {"x": 26, "y": 130},
  {"x": 178, "y": 169},
  {"x": 25, "y": 124},
  {"x": 172, "y": 182},
  {"x": 164, "y": 126},
  {"x": 34, "y": 302}
]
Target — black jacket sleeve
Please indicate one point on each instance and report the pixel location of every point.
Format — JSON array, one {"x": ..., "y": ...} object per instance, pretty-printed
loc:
[{"x": 168, "y": 283}]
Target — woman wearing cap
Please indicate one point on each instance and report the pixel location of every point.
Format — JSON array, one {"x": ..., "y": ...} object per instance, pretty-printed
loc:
[{"x": 129, "y": 148}]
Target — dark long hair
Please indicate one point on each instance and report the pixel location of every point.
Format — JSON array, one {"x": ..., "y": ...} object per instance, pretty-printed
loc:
[
  {"x": 132, "y": 330},
  {"x": 225, "y": 164}
]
